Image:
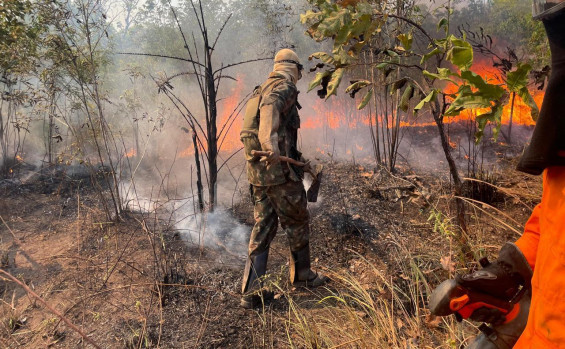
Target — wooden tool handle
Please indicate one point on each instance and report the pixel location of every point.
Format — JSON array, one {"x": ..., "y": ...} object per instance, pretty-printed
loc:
[{"x": 257, "y": 153}]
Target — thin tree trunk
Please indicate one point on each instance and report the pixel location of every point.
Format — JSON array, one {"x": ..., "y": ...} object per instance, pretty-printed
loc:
[
  {"x": 212, "y": 133},
  {"x": 199, "y": 188},
  {"x": 457, "y": 186},
  {"x": 511, "y": 116}
]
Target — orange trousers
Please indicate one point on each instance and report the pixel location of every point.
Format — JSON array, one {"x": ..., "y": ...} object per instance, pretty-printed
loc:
[{"x": 543, "y": 244}]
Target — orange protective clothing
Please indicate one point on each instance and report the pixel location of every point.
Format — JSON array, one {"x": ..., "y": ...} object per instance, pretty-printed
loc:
[{"x": 543, "y": 244}]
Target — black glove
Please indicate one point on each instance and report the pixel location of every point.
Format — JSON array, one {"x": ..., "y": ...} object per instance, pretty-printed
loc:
[
  {"x": 502, "y": 279},
  {"x": 496, "y": 279}
]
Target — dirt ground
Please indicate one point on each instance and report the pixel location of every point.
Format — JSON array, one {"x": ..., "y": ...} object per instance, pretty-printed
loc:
[{"x": 137, "y": 284}]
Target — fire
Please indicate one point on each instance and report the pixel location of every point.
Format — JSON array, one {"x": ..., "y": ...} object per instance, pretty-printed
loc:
[
  {"x": 131, "y": 153},
  {"x": 229, "y": 141},
  {"x": 187, "y": 152},
  {"x": 19, "y": 158},
  {"x": 333, "y": 114},
  {"x": 520, "y": 112},
  {"x": 229, "y": 138},
  {"x": 339, "y": 113}
]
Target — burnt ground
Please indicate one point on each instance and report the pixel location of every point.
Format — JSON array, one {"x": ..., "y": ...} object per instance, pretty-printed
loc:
[{"x": 137, "y": 284}]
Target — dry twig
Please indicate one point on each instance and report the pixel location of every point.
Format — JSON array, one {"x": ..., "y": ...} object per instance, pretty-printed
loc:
[{"x": 53, "y": 310}]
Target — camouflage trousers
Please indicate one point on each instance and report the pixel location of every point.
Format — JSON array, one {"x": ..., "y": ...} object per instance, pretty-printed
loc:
[{"x": 285, "y": 202}]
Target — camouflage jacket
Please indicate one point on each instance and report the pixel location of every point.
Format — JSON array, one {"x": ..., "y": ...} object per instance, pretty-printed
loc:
[{"x": 283, "y": 94}]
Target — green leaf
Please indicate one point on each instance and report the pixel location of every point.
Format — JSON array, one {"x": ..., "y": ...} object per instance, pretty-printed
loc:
[
  {"x": 442, "y": 23},
  {"x": 491, "y": 91},
  {"x": 323, "y": 56},
  {"x": 341, "y": 56},
  {"x": 357, "y": 85},
  {"x": 311, "y": 16},
  {"x": 527, "y": 98},
  {"x": 335, "y": 81},
  {"x": 332, "y": 24},
  {"x": 397, "y": 85},
  {"x": 467, "y": 99},
  {"x": 460, "y": 53},
  {"x": 432, "y": 95},
  {"x": 518, "y": 79},
  {"x": 430, "y": 54},
  {"x": 494, "y": 116},
  {"x": 342, "y": 36},
  {"x": 406, "y": 96},
  {"x": 364, "y": 8},
  {"x": 382, "y": 65},
  {"x": 365, "y": 100},
  {"x": 443, "y": 74},
  {"x": 318, "y": 80},
  {"x": 406, "y": 40},
  {"x": 360, "y": 26}
]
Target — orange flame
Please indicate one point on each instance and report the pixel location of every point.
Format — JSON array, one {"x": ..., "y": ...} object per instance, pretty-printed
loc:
[
  {"x": 229, "y": 138},
  {"x": 519, "y": 111},
  {"x": 131, "y": 153},
  {"x": 187, "y": 152},
  {"x": 337, "y": 113}
]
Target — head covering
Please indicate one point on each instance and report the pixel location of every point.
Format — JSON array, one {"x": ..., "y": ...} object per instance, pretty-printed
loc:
[{"x": 288, "y": 64}]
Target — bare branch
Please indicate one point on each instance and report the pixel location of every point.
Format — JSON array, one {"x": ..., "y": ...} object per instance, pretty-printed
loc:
[
  {"x": 231, "y": 156},
  {"x": 182, "y": 74},
  {"x": 173, "y": 97},
  {"x": 160, "y": 56},
  {"x": 411, "y": 22},
  {"x": 242, "y": 62},
  {"x": 221, "y": 30},
  {"x": 194, "y": 63},
  {"x": 391, "y": 63},
  {"x": 190, "y": 122}
]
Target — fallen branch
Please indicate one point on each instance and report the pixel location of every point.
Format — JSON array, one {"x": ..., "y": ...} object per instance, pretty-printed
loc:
[
  {"x": 53, "y": 310},
  {"x": 16, "y": 240}
]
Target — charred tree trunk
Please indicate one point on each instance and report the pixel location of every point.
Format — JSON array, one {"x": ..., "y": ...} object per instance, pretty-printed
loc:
[
  {"x": 212, "y": 128},
  {"x": 199, "y": 188}
]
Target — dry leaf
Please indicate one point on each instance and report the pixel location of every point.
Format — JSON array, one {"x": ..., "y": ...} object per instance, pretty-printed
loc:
[
  {"x": 433, "y": 321},
  {"x": 447, "y": 264}
]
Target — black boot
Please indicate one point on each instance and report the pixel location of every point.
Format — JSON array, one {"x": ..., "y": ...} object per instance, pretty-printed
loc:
[
  {"x": 300, "y": 272},
  {"x": 252, "y": 287}
]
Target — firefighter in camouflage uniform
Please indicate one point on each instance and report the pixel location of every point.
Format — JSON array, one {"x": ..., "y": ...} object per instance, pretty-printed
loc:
[{"x": 271, "y": 124}]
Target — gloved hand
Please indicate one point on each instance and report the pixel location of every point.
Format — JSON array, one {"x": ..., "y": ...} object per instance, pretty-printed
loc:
[
  {"x": 272, "y": 158},
  {"x": 488, "y": 315},
  {"x": 307, "y": 168},
  {"x": 488, "y": 294},
  {"x": 501, "y": 279}
]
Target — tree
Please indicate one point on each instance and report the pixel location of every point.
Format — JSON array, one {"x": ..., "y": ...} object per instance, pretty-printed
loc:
[
  {"x": 353, "y": 26},
  {"x": 207, "y": 137},
  {"x": 23, "y": 24}
]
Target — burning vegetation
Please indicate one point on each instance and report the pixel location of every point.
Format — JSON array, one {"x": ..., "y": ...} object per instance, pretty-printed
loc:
[{"x": 125, "y": 211}]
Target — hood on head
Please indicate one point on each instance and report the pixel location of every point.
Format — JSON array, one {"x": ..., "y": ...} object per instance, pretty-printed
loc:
[{"x": 288, "y": 70}]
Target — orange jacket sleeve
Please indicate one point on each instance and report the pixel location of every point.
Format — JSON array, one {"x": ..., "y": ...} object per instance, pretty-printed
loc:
[{"x": 528, "y": 243}]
